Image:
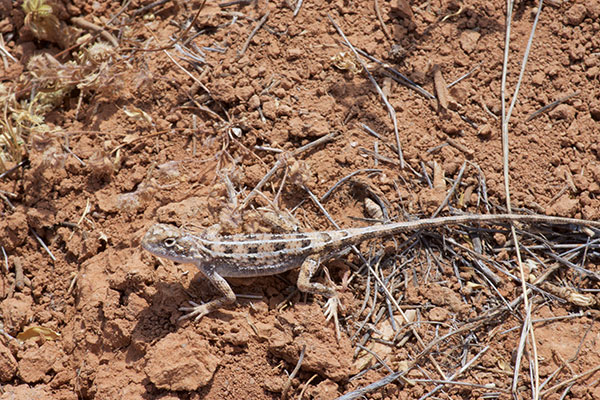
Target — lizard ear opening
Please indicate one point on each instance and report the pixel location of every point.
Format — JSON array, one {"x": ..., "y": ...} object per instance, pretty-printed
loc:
[{"x": 169, "y": 242}]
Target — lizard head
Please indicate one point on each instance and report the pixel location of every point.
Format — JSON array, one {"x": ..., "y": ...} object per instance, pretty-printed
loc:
[{"x": 170, "y": 242}]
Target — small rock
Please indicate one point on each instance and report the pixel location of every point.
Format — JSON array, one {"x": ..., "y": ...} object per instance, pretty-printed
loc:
[
  {"x": 595, "y": 110},
  {"x": 181, "y": 211},
  {"x": 468, "y": 40},
  {"x": 575, "y": 14},
  {"x": 485, "y": 130},
  {"x": 181, "y": 361},
  {"x": 37, "y": 362},
  {"x": 592, "y": 73},
  {"x": 593, "y": 9},
  {"x": 538, "y": 78},
  {"x": 285, "y": 110},
  {"x": 438, "y": 314},
  {"x": 294, "y": 53},
  {"x": 270, "y": 109},
  {"x": 563, "y": 111},
  {"x": 8, "y": 364},
  {"x": 244, "y": 93},
  {"x": 16, "y": 311},
  {"x": 254, "y": 102},
  {"x": 564, "y": 206}
]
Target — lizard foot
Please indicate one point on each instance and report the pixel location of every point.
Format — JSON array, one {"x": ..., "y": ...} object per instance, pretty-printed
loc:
[
  {"x": 198, "y": 311},
  {"x": 331, "y": 311}
]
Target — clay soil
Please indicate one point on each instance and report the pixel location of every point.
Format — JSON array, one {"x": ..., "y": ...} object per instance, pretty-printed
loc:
[{"x": 176, "y": 125}]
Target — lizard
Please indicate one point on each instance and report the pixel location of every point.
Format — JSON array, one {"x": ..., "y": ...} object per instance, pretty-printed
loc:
[{"x": 262, "y": 254}]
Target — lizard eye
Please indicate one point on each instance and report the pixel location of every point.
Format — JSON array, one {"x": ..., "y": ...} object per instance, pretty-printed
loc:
[{"x": 169, "y": 242}]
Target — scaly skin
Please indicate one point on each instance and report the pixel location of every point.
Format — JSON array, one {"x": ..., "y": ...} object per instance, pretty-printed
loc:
[{"x": 250, "y": 255}]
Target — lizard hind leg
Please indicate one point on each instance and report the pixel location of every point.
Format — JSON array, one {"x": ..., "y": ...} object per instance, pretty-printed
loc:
[
  {"x": 199, "y": 310},
  {"x": 307, "y": 270}
]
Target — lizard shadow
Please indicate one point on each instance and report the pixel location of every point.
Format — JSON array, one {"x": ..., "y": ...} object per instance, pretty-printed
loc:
[{"x": 160, "y": 317}]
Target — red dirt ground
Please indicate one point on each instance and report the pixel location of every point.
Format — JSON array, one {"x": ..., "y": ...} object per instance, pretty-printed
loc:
[{"x": 160, "y": 137}]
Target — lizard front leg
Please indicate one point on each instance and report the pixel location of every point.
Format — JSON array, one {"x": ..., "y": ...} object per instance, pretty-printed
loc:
[{"x": 200, "y": 310}]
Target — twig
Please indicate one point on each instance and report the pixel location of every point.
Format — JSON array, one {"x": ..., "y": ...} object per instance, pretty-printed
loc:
[
  {"x": 378, "y": 136},
  {"x": 490, "y": 386},
  {"x": 459, "y": 146},
  {"x": 188, "y": 73},
  {"x": 41, "y": 242},
  {"x": 347, "y": 177},
  {"x": 297, "y": 9},
  {"x": 390, "y": 109},
  {"x": 281, "y": 162},
  {"x": 569, "y": 381},
  {"x": 286, "y": 387},
  {"x": 83, "y": 23},
  {"x": 312, "y": 378},
  {"x": 551, "y": 105},
  {"x": 395, "y": 75},
  {"x": 5, "y": 259},
  {"x": 475, "y": 68},
  {"x": 18, "y": 273},
  {"x": 372, "y": 387},
  {"x": 456, "y": 374},
  {"x": 178, "y": 39},
  {"x": 379, "y": 359},
  {"x": 5, "y": 52},
  {"x": 377, "y": 157},
  {"x": 23, "y": 164},
  {"x": 235, "y": 3},
  {"x": 383, "y": 27},
  {"x": 452, "y": 190},
  {"x": 506, "y": 114},
  {"x": 150, "y": 6},
  {"x": 254, "y": 31}
]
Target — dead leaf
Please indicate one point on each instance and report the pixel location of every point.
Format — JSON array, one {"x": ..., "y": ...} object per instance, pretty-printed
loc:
[{"x": 38, "y": 331}]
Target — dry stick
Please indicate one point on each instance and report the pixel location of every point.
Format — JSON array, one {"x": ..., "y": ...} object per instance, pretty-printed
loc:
[
  {"x": 379, "y": 359},
  {"x": 5, "y": 259},
  {"x": 551, "y": 105},
  {"x": 190, "y": 75},
  {"x": 281, "y": 162},
  {"x": 505, "y": 150},
  {"x": 287, "y": 385},
  {"x": 41, "y": 242},
  {"x": 569, "y": 381},
  {"x": 451, "y": 191},
  {"x": 6, "y": 200},
  {"x": 297, "y": 9},
  {"x": 388, "y": 294},
  {"x": 19, "y": 278},
  {"x": 372, "y": 387},
  {"x": 376, "y": 156},
  {"x": 82, "y": 23},
  {"x": 312, "y": 378},
  {"x": 391, "y": 110},
  {"x": 456, "y": 374},
  {"x": 392, "y": 377},
  {"x": 149, "y": 7},
  {"x": 344, "y": 179},
  {"x": 254, "y": 31},
  {"x": 173, "y": 43},
  {"x": 489, "y": 386},
  {"x": 383, "y": 27},
  {"x": 475, "y": 68},
  {"x": 397, "y": 76},
  {"x": 459, "y": 146}
]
